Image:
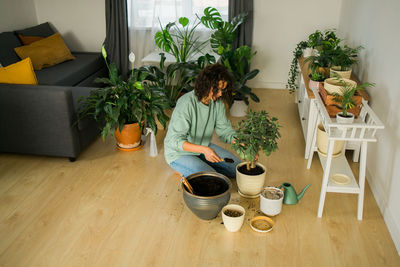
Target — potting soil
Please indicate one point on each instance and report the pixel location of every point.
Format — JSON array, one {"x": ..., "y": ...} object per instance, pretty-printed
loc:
[
  {"x": 253, "y": 171},
  {"x": 207, "y": 186}
]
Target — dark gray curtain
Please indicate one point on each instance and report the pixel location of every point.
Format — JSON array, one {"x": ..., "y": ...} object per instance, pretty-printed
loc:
[
  {"x": 244, "y": 35},
  {"x": 117, "y": 39}
]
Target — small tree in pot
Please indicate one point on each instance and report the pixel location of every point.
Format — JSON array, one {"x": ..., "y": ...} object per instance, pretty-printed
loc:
[{"x": 258, "y": 132}]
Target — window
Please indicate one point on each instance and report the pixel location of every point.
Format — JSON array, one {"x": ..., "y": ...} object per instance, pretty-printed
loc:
[{"x": 145, "y": 13}]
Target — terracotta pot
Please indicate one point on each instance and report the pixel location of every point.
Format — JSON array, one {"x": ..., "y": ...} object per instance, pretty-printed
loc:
[
  {"x": 336, "y": 70},
  {"x": 129, "y": 138},
  {"x": 250, "y": 186}
]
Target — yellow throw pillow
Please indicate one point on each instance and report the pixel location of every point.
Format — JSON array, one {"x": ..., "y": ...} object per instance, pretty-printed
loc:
[
  {"x": 46, "y": 52},
  {"x": 18, "y": 73}
]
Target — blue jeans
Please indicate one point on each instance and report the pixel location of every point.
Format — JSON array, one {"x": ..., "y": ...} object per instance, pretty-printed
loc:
[{"x": 189, "y": 164}]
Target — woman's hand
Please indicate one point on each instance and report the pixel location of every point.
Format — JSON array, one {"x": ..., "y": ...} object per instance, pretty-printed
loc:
[{"x": 211, "y": 155}]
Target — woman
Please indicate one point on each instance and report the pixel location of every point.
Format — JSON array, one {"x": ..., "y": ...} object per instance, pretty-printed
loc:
[{"x": 187, "y": 145}]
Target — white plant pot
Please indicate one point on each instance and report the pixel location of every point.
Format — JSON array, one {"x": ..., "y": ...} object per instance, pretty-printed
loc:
[
  {"x": 233, "y": 224},
  {"x": 332, "y": 85},
  {"x": 336, "y": 70},
  {"x": 250, "y": 186},
  {"x": 268, "y": 206},
  {"x": 313, "y": 84},
  {"x": 345, "y": 120},
  {"x": 239, "y": 108},
  {"x": 323, "y": 142},
  {"x": 308, "y": 52}
]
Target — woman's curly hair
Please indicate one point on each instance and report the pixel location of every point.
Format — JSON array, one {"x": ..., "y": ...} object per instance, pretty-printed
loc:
[{"x": 208, "y": 80}]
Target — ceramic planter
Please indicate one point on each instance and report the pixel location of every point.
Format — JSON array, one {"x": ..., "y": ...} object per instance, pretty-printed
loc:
[
  {"x": 313, "y": 84},
  {"x": 239, "y": 108},
  {"x": 332, "y": 85},
  {"x": 207, "y": 207},
  {"x": 308, "y": 52},
  {"x": 268, "y": 204},
  {"x": 129, "y": 139},
  {"x": 322, "y": 143},
  {"x": 336, "y": 70},
  {"x": 233, "y": 223},
  {"x": 250, "y": 186},
  {"x": 346, "y": 120}
]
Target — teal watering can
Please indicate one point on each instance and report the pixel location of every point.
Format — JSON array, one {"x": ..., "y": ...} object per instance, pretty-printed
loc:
[{"x": 290, "y": 195}]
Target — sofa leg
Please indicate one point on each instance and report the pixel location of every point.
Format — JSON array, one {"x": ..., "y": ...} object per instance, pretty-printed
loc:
[{"x": 72, "y": 159}]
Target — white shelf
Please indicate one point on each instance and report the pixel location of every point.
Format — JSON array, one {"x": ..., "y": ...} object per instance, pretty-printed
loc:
[{"x": 340, "y": 165}]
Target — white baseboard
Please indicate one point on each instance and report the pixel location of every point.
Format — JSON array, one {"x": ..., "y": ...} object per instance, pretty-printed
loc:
[
  {"x": 379, "y": 195},
  {"x": 269, "y": 85}
]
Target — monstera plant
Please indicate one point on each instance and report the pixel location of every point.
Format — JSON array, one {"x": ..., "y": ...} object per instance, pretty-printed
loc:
[{"x": 237, "y": 61}]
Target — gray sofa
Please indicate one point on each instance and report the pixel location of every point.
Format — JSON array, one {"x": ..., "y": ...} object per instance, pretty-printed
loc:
[{"x": 42, "y": 119}]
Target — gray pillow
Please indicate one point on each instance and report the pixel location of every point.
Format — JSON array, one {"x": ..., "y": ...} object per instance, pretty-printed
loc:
[
  {"x": 8, "y": 41},
  {"x": 43, "y": 30}
]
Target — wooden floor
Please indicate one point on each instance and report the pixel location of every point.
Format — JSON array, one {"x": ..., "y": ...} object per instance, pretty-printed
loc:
[{"x": 112, "y": 208}]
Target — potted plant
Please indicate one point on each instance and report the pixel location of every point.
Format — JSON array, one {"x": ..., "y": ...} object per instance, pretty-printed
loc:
[
  {"x": 175, "y": 78},
  {"x": 343, "y": 59},
  {"x": 180, "y": 40},
  {"x": 123, "y": 107},
  {"x": 257, "y": 132},
  {"x": 315, "y": 79},
  {"x": 325, "y": 47},
  {"x": 237, "y": 61},
  {"x": 346, "y": 100}
]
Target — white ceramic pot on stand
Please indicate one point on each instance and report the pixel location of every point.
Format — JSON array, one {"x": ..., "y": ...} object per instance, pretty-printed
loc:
[{"x": 239, "y": 108}]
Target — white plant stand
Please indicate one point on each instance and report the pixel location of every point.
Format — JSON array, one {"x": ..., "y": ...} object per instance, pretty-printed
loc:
[{"x": 362, "y": 130}]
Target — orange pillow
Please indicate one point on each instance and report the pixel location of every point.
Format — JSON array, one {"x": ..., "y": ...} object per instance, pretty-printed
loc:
[
  {"x": 26, "y": 40},
  {"x": 46, "y": 52},
  {"x": 18, "y": 73}
]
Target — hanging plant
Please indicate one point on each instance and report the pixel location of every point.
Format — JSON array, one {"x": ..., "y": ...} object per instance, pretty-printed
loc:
[{"x": 294, "y": 68}]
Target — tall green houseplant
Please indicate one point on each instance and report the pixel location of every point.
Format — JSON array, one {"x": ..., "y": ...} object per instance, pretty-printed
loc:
[
  {"x": 237, "y": 61},
  {"x": 257, "y": 132},
  {"x": 125, "y": 101}
]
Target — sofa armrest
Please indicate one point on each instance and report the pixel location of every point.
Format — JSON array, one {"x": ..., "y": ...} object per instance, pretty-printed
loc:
[{"x": 38, "y": 119}]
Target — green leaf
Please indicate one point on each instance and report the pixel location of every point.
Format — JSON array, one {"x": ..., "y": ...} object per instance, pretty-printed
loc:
[{"x": 183, "y": 21}]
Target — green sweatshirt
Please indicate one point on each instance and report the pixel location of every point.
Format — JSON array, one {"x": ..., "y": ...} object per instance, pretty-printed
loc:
[{"x": 195, "y": 122}]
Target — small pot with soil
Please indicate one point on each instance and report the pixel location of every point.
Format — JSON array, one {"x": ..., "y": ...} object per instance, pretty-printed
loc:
[
  {"x": 250, "y": 182},
  {"x": 211, "y": 192},
  {"x": 271, "y": 200},
  {"x": 233, "y": 217}
]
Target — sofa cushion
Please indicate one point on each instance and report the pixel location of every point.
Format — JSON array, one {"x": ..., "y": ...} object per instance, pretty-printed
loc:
[
  {"x": 70, "y": 73},
  {"x": 8, "y": 41},
  {"x": 27, "y": 40},
  {"x": 19, "y": 73},
  {"x": 46, "y": 52},
  {"x": 43, "y": 30}
]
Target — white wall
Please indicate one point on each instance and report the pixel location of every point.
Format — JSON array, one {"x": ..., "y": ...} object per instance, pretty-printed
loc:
[
  {"x": 375, "y": 25},
  {"x": 278, "y": 27},
  {"x": 17, "y": 14},
  {"x": 82, "y": 23}
]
